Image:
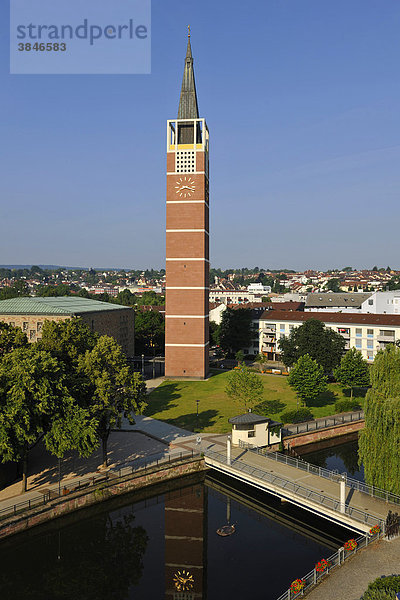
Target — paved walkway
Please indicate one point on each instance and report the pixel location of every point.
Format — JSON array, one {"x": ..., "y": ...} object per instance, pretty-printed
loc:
[
  {"x": 152, "y": 384},
  {"x": 350, "y": 581},
  {"x": 324, "y": 486},
  {"x": 148, "y": 439}
]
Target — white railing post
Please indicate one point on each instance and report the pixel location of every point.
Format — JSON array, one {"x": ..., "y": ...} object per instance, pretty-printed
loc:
[
  {"x": 342, "y": 495},
  {"x": 228, "y": 450}
]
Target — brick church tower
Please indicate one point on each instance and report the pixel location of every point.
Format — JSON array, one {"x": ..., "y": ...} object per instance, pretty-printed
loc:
[{"x": 187, "y": 255}]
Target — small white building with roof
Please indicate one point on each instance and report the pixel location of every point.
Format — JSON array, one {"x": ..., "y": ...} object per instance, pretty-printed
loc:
[{"x": 256, "y": 430}]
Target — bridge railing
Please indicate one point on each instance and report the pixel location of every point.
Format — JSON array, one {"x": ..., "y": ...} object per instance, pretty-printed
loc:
[
  {"x": 289, "y": 486},
  {"x": 336, "y": 559},
  {"x": 303, "y": 465},
  {"x": 324, "y": 423}
]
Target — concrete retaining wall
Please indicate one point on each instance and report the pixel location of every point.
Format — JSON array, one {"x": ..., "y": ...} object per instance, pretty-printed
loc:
[{"x": 88, "y": 497}]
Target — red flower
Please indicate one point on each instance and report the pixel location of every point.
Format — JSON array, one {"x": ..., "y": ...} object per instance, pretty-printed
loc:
[
  {"x": 374, "y": 530},
  {"x": 350, "y": 545},
  {"x": 322, "y": 565},
  {"x": 297, "y": 585}
]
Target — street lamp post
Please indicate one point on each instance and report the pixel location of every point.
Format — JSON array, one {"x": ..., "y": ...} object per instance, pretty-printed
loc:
[
  {"x": 59, "y": 476},
  {"x": 197, "y": 413},
  {"x": 143, "y": 365}
]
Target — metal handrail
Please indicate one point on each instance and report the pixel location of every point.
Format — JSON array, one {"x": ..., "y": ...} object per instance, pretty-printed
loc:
[
  {"x": 307, "y": 426},
  {"x": 109, "y": 478},
  {"x": 303, "y": 465},
  {"x": 336, "y": 559},
  {"x": 299, "y": 490}
]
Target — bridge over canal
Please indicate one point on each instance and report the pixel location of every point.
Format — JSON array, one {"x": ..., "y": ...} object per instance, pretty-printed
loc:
[{"x": 344, "y": 501}]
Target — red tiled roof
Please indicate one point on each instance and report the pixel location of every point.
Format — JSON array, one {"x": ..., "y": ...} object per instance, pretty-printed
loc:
[
  {"x": 270, "y": 305},
  {"x": 152, "y": 307},
  {"x": 329, "y": 317}
]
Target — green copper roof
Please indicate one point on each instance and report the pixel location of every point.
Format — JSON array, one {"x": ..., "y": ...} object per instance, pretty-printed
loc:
[{"x": 63, "y": 305}]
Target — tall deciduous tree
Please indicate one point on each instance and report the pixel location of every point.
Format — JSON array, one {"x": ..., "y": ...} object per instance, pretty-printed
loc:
[
  {"x": 214, "y": 334},
  {"x": 307, "y": 378},
  {"x": 353, "y": 370},
  {"x": 235, "y": 329},
  {"x": 149, "y": 332},
  {"x": 312, "y": 337},
  {"x": 117, "y": 392},
  {"x": 245, "y": 387},
  {"x": 67, "y": 341},
  {"x": 379, "y": 441},
  {"x": 34, "y": 401},
  {"x": 11, "y": 338}
]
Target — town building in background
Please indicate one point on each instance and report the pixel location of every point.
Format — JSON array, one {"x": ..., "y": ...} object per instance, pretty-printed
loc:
[
  {"x": 187, "y": 237},
  {"x": 382, "y": 303},
  {"x": 107, "y": 319},
  {"x": 336, "y": 302},
  {"x": 368, "y": 333}
]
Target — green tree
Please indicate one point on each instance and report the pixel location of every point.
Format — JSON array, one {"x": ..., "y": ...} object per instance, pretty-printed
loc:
[
  {"x": 67, "y": 341},
  {"x": 47, "y": 291},
  {"x": 394, "y": 283},
  {"x": 235, "y": 329},
  {"x": 83, "y": 293},
  {"x": 19, "y": 288},
  {"x": 35, "y": 401},
  {"x": 117, "y": 392},
  {"x": 149, "y": 332},
  {"x": 245, "y": 387},
  {"x": 353, "y": 371},
  {"x": 214, "y": 334},
  {"x": 333, "y": 285},
  {"x": 239, "y": 356},
  {"x": 11, "y": 338},
  {"x": 312, "y": 337},
  {"x": 126, "y": 298},
  {"x": 379, "y": 449},
  {"x": 307, "y": 378},
  {"x": 150, "y": 299}
]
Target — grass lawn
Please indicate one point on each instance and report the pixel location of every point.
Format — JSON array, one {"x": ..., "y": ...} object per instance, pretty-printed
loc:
[{"x": 175, "y": 402}]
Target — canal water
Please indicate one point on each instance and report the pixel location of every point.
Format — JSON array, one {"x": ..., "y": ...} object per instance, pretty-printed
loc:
[
  {"x": 340, "y": 457},
  {"x": 165, "y": 546}
]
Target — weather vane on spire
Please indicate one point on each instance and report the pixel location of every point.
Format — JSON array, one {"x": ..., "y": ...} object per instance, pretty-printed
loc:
[{"x": 188, "y": 31}]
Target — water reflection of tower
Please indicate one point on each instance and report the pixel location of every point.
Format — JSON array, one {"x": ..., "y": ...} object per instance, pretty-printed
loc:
[{"x": 186, "y": 544}]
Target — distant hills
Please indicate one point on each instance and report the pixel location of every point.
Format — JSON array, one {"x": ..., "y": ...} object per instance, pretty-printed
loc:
[{"x": 52, "y": 267}]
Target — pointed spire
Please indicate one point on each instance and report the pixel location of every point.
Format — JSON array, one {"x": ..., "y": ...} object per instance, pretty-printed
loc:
[{"x": 188, "y": 108}]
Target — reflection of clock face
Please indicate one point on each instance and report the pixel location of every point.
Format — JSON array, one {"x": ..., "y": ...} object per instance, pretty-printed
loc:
[
  {"x": 183, "y": 581},
  {"x": 185, "y": 187}
]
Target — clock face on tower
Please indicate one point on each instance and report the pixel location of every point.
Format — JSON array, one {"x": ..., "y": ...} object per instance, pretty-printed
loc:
[
  {"x": 185, "y": 187},
  {"x": 183, "y": 581}
]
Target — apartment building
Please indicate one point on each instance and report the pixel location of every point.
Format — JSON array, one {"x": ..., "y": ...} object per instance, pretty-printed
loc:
[
  {"x": 368, "y": 333},
  {"x": 382, "y": 303}
]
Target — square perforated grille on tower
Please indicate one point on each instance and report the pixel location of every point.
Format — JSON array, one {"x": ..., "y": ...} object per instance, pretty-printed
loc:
[{"x": 185, "y": 161}]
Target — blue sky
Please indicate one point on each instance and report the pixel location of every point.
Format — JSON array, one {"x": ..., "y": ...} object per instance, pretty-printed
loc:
[{"x": 302, "y": 100}]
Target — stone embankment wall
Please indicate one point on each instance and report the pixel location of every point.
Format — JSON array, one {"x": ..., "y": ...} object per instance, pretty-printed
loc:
[
  {"x": 90, "y": 496},
  {"x": 311, "y": 437}
]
